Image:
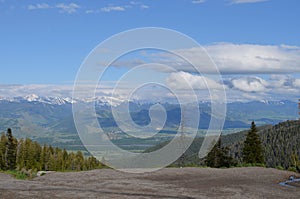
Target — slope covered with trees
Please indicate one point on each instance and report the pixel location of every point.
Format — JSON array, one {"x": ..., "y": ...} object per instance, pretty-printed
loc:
[
  {"x": 280, "y": 146},
  {"x": 25, "y": 154},
  {"x": 219, "y": 157}
]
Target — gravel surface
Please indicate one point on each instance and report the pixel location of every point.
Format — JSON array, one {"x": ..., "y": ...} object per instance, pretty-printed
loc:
[{"x": 166, "y": 183}]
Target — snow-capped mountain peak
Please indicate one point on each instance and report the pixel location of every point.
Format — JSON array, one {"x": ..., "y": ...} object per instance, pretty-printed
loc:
[{"x": 32, "y": 98}]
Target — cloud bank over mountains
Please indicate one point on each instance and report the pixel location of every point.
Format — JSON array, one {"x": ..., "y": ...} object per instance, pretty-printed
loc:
[
  {"x": 248, "y": 71},
  {"x": 237, "y": 88},
  {"x": 235, "y": 59}
]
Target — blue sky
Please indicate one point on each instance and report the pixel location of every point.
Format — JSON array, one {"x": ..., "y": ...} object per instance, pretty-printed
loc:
[{"x": 45, "y": 42}]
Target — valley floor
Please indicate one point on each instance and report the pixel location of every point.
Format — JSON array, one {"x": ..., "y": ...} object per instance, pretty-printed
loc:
[{"x": 166, "y": 183}]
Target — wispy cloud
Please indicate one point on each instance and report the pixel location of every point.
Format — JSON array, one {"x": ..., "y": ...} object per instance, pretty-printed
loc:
[
  {"x": 246, "y": 1},
  {"x": 183, "y": 80},
  {"x": 113, "y": 8},
  {"x": 229, "y": 58},
  {"x": 68, "y": 8},
  {"x": 39, "y": 6},
  {"x": 132, "y": 4},
  {"x": 274, "y": 84},
  {"x": 89, "y": 11},
  {"x": 139, "y": 4},
  {"x": 236, "y": 59},
  {"x": 143, "y": 6},
  {"x": 62, "y": 7},
  {"x": 198, "y": 1},
  {"x": 249, "y": 84},
  {"x": 241, "y": 88},
  {"x": 249, "y": 58},
  {"x": 71, "y": 8}
]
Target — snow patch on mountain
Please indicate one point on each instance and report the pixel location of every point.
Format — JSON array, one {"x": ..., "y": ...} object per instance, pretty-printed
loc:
[
  {"x": 106, "y": 100},
  {"x": 102, "y": 100}
]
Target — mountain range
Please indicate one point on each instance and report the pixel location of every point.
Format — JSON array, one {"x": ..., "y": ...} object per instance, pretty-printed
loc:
[{"x": 50, "y": 120}]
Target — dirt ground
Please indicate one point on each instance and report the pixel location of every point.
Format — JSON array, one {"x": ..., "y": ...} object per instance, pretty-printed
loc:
[{"x": 166, "y": 183}]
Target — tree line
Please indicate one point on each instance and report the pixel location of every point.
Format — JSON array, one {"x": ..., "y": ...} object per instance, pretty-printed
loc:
[
  {"x": 280, "y": 143},
  {"x": 270, "y": 146},
  {"x": 30, "y": 155},
  {"x": 252, "y": 152}
]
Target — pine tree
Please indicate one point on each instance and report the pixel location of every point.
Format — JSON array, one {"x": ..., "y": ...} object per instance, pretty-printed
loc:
[
  {"x": 65, "y": 157},
  {"x": 72, "y": 161},
  {"x": 30, "y": 155},
  {"x": 44, "y": 158},
  {"x": 20, "y": 155},
  {"x": 79, "y": 161},
  {"x": 10, "y": 153},
  {"x": 219, "y": 157},
  {"x": 3, "y": 141},
  {"x": 253, "y": 151},
  {"x": 295, "y": 162}
]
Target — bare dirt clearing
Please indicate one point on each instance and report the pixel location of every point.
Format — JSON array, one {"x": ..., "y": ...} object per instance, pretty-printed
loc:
[{"x": 166, "y": 183}]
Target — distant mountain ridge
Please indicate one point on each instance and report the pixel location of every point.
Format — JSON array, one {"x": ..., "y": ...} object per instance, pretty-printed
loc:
[
  {"x": 103, "y": 100},
  {"x": 50, "y": 120},
  {"x": 110, "y": 100}
]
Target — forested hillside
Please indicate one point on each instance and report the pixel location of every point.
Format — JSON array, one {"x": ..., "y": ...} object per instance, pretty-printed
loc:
[
  {"x": 281, "y": 146},
  {"x": 25, "y": 154}
]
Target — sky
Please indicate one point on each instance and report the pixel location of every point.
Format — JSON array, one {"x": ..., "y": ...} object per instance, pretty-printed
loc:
[{"x": 254, "y": 43}]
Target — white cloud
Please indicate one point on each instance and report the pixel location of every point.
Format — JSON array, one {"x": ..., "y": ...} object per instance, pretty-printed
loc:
[
  {"x": 249, "y": 84},
  {"x": 285, "y": 82},
  {"x": 275, "y": 87},
  {"x": 183, "y": 80},
  {"x": 247, "y": 58},
  {"x": 134, "y": 3},
  {"x": 246, "y": 1},
  {"x": 281, "y": 81},
  {"x": 113, "y": 8},
  {"x": 71, "y": 8},
  {"x": 39, "y": 6},
  {"x": 89, "y": 11},
  {"x": 296, "y": 83},
  {"x": 237, "y": 59},
  {"x": 130, "y": 5},
  {"x": 64, "y": 8},
  {"x": 143, "y": 6},
  {"x": 243, "y": 88},
  {"x": 229, "y": 59},
  {"x": 68, "y": 8},
  {"x": 198, "y": 1}
]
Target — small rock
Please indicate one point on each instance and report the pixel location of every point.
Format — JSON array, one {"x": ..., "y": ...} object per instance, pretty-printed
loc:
[{"x": 41, "y": 173}]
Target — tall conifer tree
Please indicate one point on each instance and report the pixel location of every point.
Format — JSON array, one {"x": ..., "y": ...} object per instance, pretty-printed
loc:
[
  {"x": 253, "y": 151},
  {"x": 10, "y": 154}
]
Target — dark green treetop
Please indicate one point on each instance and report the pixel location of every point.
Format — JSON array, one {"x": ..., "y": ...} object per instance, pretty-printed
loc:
[{"x": 253, "y": 151}]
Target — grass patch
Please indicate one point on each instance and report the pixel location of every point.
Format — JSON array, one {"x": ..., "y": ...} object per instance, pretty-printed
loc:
[
  {"x": 251, "y": 165},
  {"x": 17, "y": 174}
]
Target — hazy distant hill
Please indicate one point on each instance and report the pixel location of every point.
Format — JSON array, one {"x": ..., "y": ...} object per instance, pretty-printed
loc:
[{"x": 50, "y": 119}]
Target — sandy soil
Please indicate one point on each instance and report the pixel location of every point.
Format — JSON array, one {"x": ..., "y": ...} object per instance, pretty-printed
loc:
[{"x": 166, "y": 183}]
